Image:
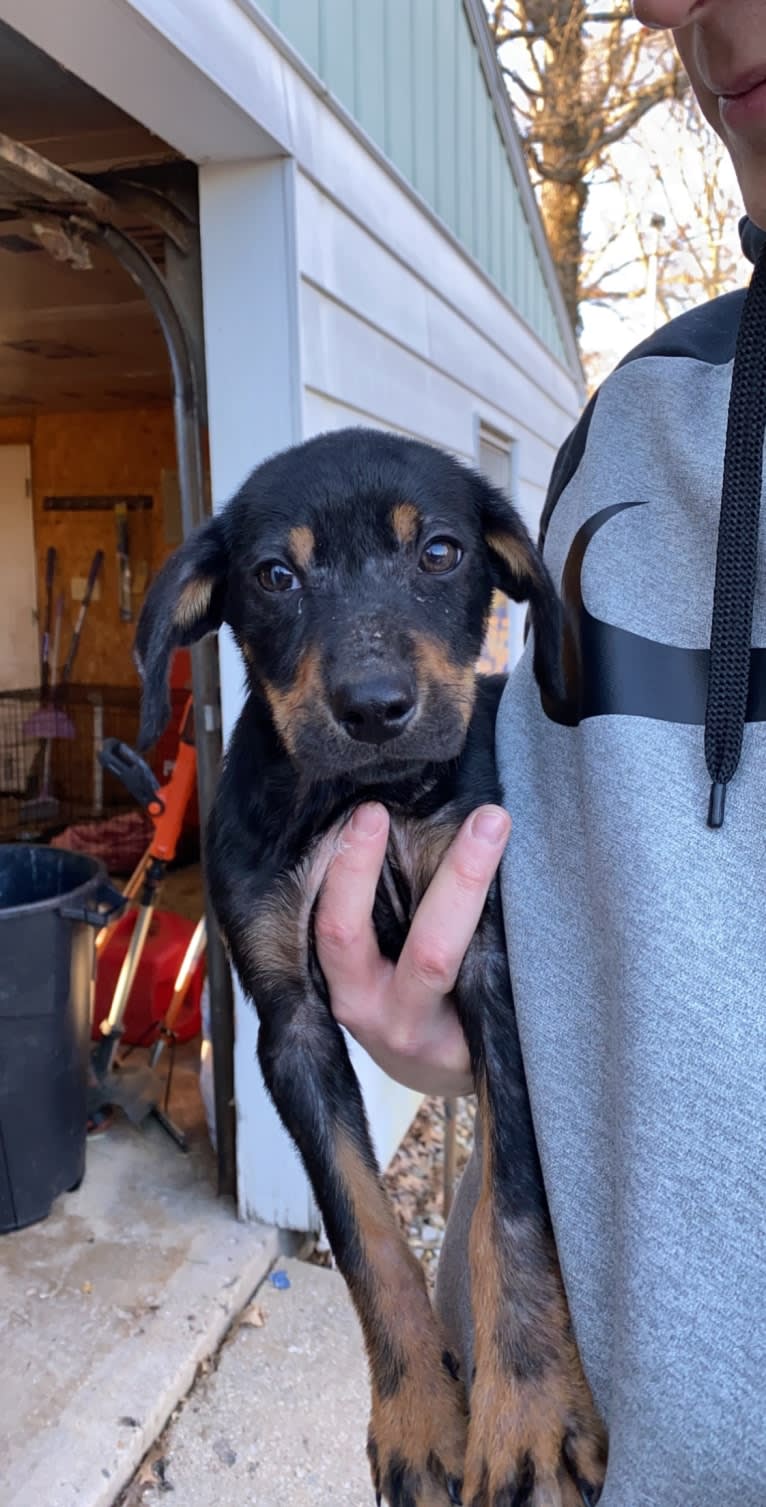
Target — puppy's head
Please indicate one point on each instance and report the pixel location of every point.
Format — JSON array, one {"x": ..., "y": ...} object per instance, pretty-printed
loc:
[{"x": 356, "y": 572}]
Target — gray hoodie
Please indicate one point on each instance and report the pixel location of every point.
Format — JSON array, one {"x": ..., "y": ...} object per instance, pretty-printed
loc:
[{"x": 637, "y": 932}]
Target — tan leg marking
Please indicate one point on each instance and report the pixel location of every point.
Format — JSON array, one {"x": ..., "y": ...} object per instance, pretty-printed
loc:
[
  {"x": 423, "y": 1416},
  {"x": 519, "y": 1421},
  {"x": 277, "y": 939}
]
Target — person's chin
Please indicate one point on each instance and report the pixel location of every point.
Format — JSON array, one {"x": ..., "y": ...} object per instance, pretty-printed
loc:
[
  {"x": 753, "y": 186},
  {"x": 749, "y": 160}
]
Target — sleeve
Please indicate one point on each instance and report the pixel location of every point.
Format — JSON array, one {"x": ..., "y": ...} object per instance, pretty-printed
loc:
[{"x": 565, "y": 465}]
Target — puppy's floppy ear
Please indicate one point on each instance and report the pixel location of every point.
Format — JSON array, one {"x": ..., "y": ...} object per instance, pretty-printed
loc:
[
  {"x": 183, "y": 604},
  {"x": 519, "y": 571}
]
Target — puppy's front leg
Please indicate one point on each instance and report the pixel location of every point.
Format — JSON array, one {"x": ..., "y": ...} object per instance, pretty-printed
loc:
[
  {"x": 418, "y": 1424},
  {"x": 535, "y": 1439}
]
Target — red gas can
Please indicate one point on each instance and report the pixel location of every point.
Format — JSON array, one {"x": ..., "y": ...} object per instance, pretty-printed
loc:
[{"x": 169, "y": 936}]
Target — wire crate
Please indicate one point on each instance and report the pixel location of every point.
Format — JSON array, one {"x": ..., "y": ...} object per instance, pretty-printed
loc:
[{"x": 50, "y": 775}]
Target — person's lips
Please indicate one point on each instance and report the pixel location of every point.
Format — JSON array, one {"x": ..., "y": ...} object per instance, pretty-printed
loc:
[{"x": 742, "y": 102}]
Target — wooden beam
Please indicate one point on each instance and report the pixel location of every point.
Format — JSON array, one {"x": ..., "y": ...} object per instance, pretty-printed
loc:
[{"x": 32, "y": 178}]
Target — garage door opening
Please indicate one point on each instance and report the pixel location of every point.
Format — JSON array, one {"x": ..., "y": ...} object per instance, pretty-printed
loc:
[{"x": 101, "y": 475}]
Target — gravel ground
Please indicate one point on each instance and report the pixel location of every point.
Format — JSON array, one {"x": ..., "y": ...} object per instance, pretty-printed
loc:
[{"x": 414, "y": 1179}]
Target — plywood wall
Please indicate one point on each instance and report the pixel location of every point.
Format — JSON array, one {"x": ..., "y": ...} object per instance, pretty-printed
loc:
[{"x": 92, "y": 454}]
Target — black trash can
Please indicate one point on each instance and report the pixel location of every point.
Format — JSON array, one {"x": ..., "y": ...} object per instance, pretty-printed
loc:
[{"x": 50, "y": 903}]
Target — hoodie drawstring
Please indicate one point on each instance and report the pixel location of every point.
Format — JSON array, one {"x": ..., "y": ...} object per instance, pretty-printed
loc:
[{"x": 737, "y": 553}]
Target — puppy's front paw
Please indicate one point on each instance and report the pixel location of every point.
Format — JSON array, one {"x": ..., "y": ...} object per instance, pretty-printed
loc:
[
  {"x": 416, "y": 1442},
  {"x": 535, "y": 1442}
]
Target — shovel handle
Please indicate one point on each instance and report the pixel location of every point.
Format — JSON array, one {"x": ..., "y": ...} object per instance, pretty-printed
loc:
[
  {"x": 50, "y": 572},
  {"x": 95, "y": 566}
]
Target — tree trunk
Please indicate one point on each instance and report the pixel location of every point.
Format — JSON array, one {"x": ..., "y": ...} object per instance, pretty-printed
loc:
[
  {"x": 563, "y": 207},
  {"x": 563, "y": 202},
  {"x": 579, "y": 91}
]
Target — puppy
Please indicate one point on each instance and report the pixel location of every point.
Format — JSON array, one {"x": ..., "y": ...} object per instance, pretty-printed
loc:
[{"x": 356, "y": 573}]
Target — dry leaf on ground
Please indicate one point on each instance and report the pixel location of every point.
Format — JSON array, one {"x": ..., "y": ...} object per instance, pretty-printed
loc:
[{"x": 254, "y": 1316}]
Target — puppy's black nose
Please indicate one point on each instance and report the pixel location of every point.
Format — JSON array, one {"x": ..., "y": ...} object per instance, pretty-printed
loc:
[{"x": 374, "y": 710}]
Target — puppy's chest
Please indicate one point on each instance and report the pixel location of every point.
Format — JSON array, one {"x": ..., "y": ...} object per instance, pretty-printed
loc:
[
  {"x": 279, "y": 935},
  {"x": 416, "y": 847},
  {"x": 284, "y": 854}
]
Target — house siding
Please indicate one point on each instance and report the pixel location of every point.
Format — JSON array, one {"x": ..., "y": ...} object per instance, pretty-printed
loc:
[{"x": 409, "y": 73}]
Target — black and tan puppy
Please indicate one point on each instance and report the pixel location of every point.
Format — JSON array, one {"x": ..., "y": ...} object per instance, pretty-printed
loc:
[{"x": 356, "y": 573}]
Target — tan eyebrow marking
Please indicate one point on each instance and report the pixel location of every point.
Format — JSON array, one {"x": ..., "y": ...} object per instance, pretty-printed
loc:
[
  {"x": 405, "y": 522},
  {"x": 302, "y": 544}
]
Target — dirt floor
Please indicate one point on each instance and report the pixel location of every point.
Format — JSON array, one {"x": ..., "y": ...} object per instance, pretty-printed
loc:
[{"x": 182, "y": 892}]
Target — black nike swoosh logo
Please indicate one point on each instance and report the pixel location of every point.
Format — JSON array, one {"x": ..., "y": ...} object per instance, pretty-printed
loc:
[{"x": 612, "y": 672}]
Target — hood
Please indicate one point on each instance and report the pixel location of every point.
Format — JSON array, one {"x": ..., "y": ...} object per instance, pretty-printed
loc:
[{"x": 752, "y": 237}]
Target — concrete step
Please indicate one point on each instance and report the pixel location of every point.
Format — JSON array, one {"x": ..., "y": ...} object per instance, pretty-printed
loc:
[
  {"x": 282, "y": 1419},
  {"x": 107, "y": 1307}
]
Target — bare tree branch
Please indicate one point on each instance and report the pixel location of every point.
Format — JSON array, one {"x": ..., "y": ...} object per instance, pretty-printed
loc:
[{"x": 581, "y": 77}]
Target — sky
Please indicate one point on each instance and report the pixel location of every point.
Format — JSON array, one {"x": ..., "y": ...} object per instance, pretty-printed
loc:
[{"x": 663, "y": 170}]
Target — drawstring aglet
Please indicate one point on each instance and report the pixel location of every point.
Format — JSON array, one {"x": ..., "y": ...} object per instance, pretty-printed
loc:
[{"x": 717, "y": 804}]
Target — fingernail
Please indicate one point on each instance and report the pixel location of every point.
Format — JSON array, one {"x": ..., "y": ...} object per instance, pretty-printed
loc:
[
  {"x": 368, "y": 820},
  {"x": 490, "y": 825}
]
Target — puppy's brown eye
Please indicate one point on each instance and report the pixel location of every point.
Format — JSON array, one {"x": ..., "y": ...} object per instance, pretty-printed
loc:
[
  {"x": 273, "y": 575},
  {"x": 440, "y": 556}
]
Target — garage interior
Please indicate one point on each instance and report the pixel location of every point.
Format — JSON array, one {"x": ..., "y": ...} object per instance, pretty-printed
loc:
[{"x": 85, "y": 390}]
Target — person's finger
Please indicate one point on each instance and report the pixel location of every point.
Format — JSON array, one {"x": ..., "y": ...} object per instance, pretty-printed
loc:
[
  {"x": 446, "y": 920},
  {"x": 345, "y": 936}
]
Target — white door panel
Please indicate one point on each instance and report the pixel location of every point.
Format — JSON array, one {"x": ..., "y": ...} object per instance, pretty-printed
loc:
[{"x": 19, "y": 641}]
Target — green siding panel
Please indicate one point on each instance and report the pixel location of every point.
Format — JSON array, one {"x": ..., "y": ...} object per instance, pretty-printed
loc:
[
  {"x": 482, "y": 114},
  {"x": 497, "y": 260},
  {"x": 337, "y": 46},
  {"x": 409, "y": 73},
  {"x": 506, "y": 238},
  {"x": 299, "y": 20},
  {"x": 445, "y": 120},
  {"x": 466, "y": 152},
  {"x": 424, "y": 99},
  {"x": 399, "y": 71},
  {"x": 370, "y": 73}
]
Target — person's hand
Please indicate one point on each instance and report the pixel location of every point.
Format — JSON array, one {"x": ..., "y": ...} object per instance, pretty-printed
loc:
[{"x": 402, "y": 1014}]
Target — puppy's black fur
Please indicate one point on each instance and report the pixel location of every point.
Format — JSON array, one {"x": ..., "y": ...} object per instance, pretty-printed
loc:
[{"x": 356, "y": 574}]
